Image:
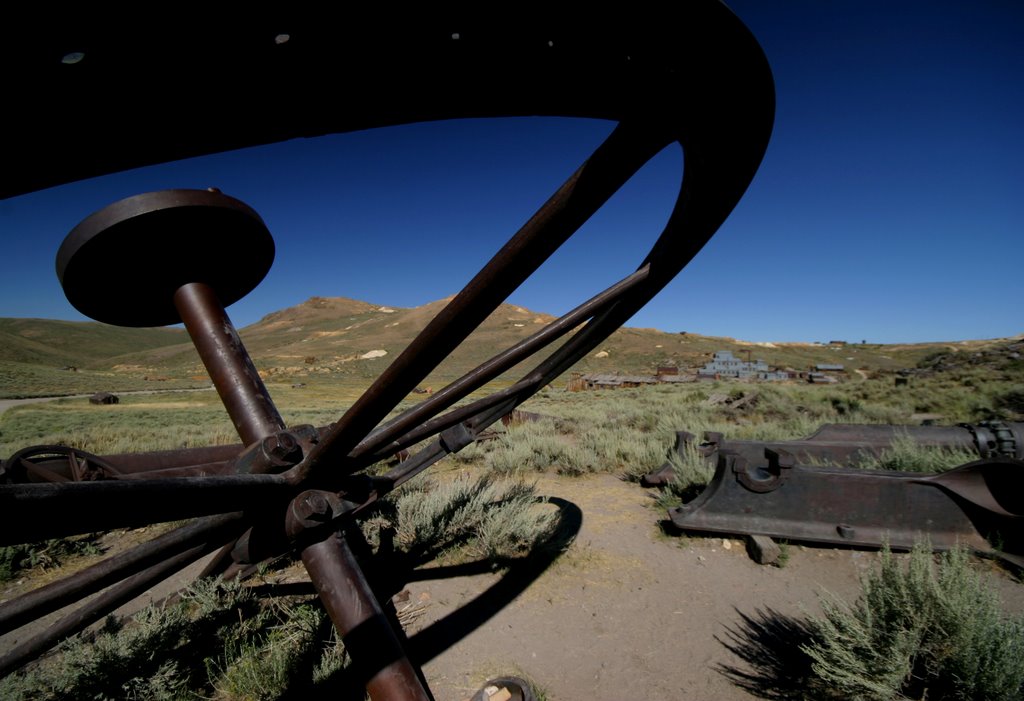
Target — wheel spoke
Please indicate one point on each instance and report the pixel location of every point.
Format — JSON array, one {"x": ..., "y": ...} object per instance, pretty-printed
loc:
[
  {"x": 69, "y": 508},
  {"x": 490, "y": 369},
  {"x": 56, "y": 595},
  {"x": 614, "y": 162},
  {"x": 99, "y": 607}
]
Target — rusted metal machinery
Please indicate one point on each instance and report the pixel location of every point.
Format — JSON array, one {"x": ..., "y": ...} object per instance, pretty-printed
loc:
[
  {"x": 695, "y": 77},
  {"x": 799, "y": 489},
  {"x": 846, "y": 444},
  {"x": 978, "y": 505}
]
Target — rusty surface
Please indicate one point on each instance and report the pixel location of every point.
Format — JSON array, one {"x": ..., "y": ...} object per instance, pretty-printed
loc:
[
  {"x": 92, "y": 611},
  {"x": 214, "y": 250},
  {"x": 57, "y": 510},
  {"x": 417, "y": 416},
  {"x": 239, "y": 385},
  {"x": 198, "y": 235},
  {"x": 848, "y": 444},
  {"x": 780, "y": 498},
  {"x": 58, "y": 463},
  {"x": 56, "y": 595},
  {"x": 212, "y": 459},
  {"x": 377, "y": 655},
  {"x": 635, "y": 71},
  {"x": 55, "y": 463}
]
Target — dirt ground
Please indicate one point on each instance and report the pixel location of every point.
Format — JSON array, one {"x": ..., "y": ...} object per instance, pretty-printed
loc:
[{"x": 626, "y": 612}]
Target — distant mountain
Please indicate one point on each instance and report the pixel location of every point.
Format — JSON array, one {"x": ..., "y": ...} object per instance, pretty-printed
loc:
[
  {"x": 332, "y": 337},
  {"x": 338, "y": 335},
  {"x": 75, "y": 342}
]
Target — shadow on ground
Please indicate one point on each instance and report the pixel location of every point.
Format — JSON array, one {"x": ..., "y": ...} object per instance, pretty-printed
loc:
[
  {"x": 425, "y": 645},
  {"x": 771, "y": 645}
]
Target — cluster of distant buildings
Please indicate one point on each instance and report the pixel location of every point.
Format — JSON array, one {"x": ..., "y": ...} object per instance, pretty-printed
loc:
[{"x": 723, "y": 365}]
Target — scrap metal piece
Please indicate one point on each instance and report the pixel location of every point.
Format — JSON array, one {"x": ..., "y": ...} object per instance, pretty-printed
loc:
[
  {"x": 978, "y": 504},
  {"x": 202, "y": 235},
  {"x": 55, "y": 463},
  {"x": 376, "y": 650},
  {"x": 848, "y": 444}
]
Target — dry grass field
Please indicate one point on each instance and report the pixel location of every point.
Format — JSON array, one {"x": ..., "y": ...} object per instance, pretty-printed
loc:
[{"x": 534, "y": 552}]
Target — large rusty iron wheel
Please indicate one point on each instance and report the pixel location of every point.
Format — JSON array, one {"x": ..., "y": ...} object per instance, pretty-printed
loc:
[{"x": 696, "y": 78}]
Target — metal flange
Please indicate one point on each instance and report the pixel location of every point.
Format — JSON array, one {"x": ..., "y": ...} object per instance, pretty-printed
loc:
[{"x": 123, "y": 264}]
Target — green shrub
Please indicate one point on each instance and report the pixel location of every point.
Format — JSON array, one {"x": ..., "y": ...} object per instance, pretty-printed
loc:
[
  {"x": 483, "y": 517},
  {"x": 906, "y": 455},
  {"x": 263, "y": 667},
  {"x": 919, "y": 632},
  {"x": 691, "y": 473},
  {"x": 533, "y": 447},
  {"x": 1011, "y": 402},
  {"x": 624, "y": 450},
  {"x": 218, "y": 640},
  {"x": 48, "y": 554}
]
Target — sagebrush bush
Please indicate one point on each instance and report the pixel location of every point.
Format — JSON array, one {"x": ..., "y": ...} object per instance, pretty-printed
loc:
[
  {"x": 530, "y": 447},
  {"x": 263, "y": 667},
  {"x": 1010, "y": 403},
  {"x": 691, "y": 473},
  {"x": 483, "y": 517},
  {"x": 923, "y": 631},
  {"x": 906, "y": 455},
  {"x": 219, "y": 639},
  {"x": 46, "y": 554},
  {"x": 622, "y": 450}
]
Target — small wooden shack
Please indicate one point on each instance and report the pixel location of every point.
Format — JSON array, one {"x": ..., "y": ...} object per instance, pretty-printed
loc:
[{"x": 104, "y": 398}]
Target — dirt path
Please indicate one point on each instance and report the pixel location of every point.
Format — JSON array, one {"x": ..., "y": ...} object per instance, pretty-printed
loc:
[
  {"x": 6, "y": 404},
  {"x": 628, "y": 613}
]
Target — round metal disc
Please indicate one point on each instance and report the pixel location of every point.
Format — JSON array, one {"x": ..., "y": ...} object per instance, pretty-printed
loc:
[{"x": 123, "y": 264}]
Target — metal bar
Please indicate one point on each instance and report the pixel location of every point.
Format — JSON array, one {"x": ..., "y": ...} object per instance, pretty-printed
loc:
[
  {"x": 450, "y": 419},
  {"x": 509, "y": 398},
  {"x": 569, "y": 353},
  {"x": 57, "y": 510},
  {"x": 429, "y": 455},
  {"x": 495, "y": 366},
  {"x": 245, "y": 397},
  {"x": 42, "y": 473},
  {"x": 167, "y": 459},
  {"x": 56, "y": 595},
  {"x": 188, "y": 461},
  {"x": 397, "y": 476},
  {"x": 377, "y": 655},
  {"x": 581, "y": 343},
  {"x": 199, "y": 471},
  {"x": 99, "y": 607},
  {"x": 614, "y": 162}
]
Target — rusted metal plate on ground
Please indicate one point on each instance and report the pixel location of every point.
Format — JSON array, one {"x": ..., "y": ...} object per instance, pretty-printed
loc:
[
  {"x": 849, "y": 444},
  {"x": 978, "y": 504}
]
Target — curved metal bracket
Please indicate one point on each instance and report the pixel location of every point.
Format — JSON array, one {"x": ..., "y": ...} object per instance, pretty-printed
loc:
[{"x": 762, "y": 479}]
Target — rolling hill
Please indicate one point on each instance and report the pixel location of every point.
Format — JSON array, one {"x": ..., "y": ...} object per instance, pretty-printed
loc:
[{"x": 338, "y": 338}]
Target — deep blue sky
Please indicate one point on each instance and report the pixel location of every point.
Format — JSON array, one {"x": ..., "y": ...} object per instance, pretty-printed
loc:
[{"x": 889, "y": 207}]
